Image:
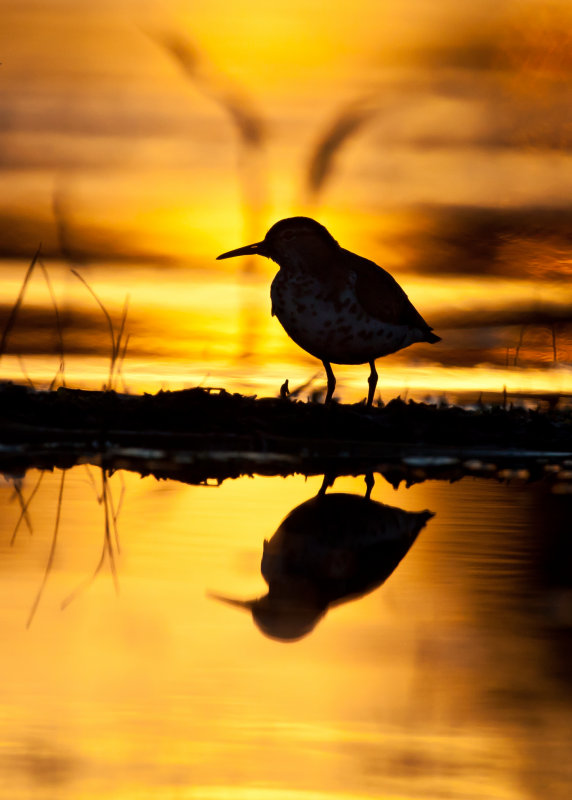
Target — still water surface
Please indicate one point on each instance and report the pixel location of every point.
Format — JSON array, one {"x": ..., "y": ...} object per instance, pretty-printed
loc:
[{"x": 449, "y": 680}]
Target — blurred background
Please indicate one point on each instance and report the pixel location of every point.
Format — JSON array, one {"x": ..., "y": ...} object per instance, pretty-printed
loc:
[{"x": 140, "y": 139}]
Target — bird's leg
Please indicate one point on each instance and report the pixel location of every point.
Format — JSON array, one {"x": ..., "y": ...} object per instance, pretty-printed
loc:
[
  {"x": 369, "y": 484},
  {"x": 372, "y": 381},
  {"x": 328, "y": 481},
  {"x": 331, "y": 380}
]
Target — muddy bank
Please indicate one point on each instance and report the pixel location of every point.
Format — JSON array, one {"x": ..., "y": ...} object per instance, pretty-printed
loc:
[{"x": 202, "y": 434}]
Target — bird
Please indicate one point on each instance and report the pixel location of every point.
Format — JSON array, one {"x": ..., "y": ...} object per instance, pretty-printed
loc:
[
  {"x": 327, "y": 551},
  {"x": 338, "y": 306}
]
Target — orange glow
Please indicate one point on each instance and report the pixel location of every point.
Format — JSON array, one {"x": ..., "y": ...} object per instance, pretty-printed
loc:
[
  {"x": 191, "y": 328},
  {"x": 225, "y": 711},
  {"x": 140, "y": 140}
]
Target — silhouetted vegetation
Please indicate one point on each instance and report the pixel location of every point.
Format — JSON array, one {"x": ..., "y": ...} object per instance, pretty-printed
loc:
[{"x": 199, "y": 434}]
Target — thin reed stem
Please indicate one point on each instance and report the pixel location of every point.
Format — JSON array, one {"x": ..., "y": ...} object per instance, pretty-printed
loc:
[
  {"x": 109, "y": 323},
  {"x": 16, "y": 307},
  {"x": 51, "y": 554},
  {"x": 119, "y": 350},
  {"x": 107, "y": 550},
  {"x": 24, "y": 510},
  {"x": 58, "y": 325},
  {"x": 29, "y": 381},
  {"x": 108, "y": 541}
]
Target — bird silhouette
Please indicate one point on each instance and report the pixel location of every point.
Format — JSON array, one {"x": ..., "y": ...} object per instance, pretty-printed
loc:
[
  {"x": 327, "y": 551},
  {"x": 336, "y": 305}
]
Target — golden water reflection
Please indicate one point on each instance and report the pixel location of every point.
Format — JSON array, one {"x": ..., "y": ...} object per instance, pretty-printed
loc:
[
  {"x": 451, "y": 679},
  {"x": 328, "y": 550}
]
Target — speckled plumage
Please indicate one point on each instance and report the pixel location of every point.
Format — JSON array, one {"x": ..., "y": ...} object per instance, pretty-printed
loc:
[{"x": 336, "y": 305}]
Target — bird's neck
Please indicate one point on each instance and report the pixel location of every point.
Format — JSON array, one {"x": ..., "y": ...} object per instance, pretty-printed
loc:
[
  {"x": 317, "y": 263},
  {"x": 292, "y": 264}
]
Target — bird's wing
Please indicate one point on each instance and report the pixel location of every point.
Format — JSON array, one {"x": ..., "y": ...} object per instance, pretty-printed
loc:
[{"x": 380, "y": 294}]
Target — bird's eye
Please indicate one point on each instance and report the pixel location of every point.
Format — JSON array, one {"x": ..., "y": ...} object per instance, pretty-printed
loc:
[{"x": 288, "y": 234}]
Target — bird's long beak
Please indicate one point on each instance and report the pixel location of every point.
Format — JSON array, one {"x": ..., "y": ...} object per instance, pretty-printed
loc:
[
  {"x": 258, "y": 249},
  {"x": 247, "y": 605}
]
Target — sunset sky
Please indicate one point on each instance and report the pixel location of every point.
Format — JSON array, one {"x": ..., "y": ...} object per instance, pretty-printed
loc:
[{"x": 434, "y": 138}]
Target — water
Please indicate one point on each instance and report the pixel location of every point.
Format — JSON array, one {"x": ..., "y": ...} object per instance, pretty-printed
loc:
[{"x": 451, "y": 679}]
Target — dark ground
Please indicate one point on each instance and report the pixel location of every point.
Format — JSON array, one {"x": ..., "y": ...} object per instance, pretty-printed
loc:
[{"x": 200, "y": 434}]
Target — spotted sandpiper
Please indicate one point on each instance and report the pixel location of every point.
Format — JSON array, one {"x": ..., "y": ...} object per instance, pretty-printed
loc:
[
  {"x": 329, "y": 550},
  {"x": 336, "y": 305}
]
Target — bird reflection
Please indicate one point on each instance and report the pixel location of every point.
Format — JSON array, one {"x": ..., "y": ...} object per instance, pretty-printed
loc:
[{"x": 331, "y": 549}]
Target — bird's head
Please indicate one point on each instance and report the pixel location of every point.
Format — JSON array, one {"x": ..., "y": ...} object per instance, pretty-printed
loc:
[
  {"x": 297, "y": 241},
  {"x": 286, "y": 613}
]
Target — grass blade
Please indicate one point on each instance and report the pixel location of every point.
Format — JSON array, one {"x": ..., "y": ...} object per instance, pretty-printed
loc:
[
  {"x": 58, "y": 324},
  {"x": 51, "y": 554},
  {"x": 109, "y": 323},
  {"x": 24, "y": 510},
  {"x": 107, "y": 549},
  {"x": 119, "y": 350},
  {"x": 16, "y": 307},
  {"x": 108, "y": 517}
]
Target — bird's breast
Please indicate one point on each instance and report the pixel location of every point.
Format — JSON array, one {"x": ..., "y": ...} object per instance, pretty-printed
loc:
[{"x": 329, "y": 322}]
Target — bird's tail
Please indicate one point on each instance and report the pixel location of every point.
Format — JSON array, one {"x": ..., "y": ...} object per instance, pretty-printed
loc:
[{"x": 432, "y": 338}]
